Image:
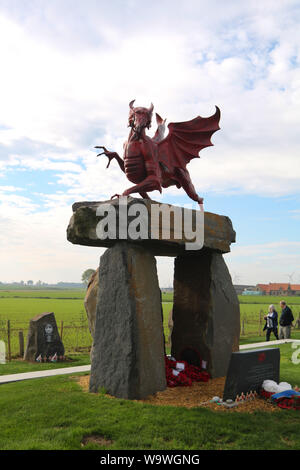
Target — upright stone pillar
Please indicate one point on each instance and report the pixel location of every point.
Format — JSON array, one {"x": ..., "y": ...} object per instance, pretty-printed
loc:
[
  {"x": 128, "y": 348},
  {"x": 206, "y": 313}
]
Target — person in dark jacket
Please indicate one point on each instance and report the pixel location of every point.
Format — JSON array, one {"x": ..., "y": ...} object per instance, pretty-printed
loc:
[
  {"x": 285, "y": 321},
  {"x": 271, "y": 323}
]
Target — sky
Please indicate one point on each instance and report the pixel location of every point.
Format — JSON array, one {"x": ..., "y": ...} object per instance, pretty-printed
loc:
[{"x": 68, "y": 71}]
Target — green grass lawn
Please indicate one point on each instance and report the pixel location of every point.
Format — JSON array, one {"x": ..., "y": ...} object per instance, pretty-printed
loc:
[
  {"x": 18, "y": 366},
  {"x": 54, "y": 413},
  {"x": 295, "y": 334}
]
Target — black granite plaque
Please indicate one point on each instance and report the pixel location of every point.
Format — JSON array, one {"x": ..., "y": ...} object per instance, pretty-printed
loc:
[
  {"x": 248, "y": 369},
  {"x": 43, "y": 341}
]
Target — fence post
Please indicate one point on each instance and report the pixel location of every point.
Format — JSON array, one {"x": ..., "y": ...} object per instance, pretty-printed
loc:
[
  {"x": 61, "y": 329},
  {"x": 243, "y": 327},
  {"x": 260, "y": 321},
  {"x": 21, "y": 343},
  {"x": 8, "y": 340}
]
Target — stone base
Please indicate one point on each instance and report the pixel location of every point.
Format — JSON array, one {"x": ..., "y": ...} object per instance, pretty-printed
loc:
[
  {"x": 206, "y": 316},
  {"x": 128, "y": 348}
]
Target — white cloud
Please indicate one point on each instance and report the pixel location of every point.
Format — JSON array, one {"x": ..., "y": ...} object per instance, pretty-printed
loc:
[
  {"x": 266, "y": 262},
  {"x": 33, "y": 244},
  {"x": 69, "y": 69},
  {"x": 60, "y": 97}
]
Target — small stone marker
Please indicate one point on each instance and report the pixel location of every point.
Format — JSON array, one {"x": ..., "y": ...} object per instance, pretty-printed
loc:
[
  {"x": 2, "y": 352},
  {"x": 43, "y": 340},
  {"x": 248, "y": 369}
]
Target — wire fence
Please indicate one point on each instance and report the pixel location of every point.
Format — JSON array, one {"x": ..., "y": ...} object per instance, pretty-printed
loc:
[
  {"x": 75, "y": 336},
  {"x": 253, "y": 324}
]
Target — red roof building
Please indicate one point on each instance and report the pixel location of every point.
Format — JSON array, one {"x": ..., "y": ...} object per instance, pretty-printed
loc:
[{"x": 283, "y": 288}]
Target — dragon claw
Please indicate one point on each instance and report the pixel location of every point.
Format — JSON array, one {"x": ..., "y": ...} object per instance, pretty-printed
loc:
[
  {"x": 115, "y": 195},
  {"x": 107, "y": 153},
  {"x": 100, "y": 147}
]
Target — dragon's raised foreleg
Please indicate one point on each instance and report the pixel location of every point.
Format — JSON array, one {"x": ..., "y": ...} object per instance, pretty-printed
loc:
[{"x": 111, "y": 156}]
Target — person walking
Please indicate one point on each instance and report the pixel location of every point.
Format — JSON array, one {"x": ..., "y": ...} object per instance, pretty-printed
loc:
[
  {"x": 271, "y": 323},
  {"x": 285, "y": 321}
]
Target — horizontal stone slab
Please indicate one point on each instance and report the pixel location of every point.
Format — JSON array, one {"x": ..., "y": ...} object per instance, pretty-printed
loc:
[{"x": 83, "y": 229}]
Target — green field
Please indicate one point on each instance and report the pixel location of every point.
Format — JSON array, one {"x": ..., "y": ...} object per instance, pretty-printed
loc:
[
  {"x": 19, "y": 306},
  {"x": 253, "y": 309},
  {"x": 22, "y": 309},
  {"x": 268, "y": 299}
]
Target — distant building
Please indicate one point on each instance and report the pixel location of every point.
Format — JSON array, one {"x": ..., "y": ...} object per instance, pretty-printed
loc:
[
  {"x": 282, "y": 289},
  {"x": 167, "y": 290},
  {"x": 239, "y": 288},
  {"x": 251, "y": 292}
]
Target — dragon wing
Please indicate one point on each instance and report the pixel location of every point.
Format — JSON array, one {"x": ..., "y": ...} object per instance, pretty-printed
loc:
[{"x": 186, "y": 139}]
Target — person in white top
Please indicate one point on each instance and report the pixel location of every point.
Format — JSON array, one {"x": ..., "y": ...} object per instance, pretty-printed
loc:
[{"x": 271, "y": 323}]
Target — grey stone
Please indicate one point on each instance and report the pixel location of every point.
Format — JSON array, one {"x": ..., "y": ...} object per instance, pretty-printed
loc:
[
  {"x": 90, "y": 303},
  {"x": 90, "y": 300},
  {"x": 218, "y": 231},
  {"x": 43, "y": 338},
  {"x": 170, "y": 326},
  {"x": 128, "y": 341},
  {"x": 248, "y": 369},
  {"x": 206, "y": 316},
  {"x": 128, "y": 347}
]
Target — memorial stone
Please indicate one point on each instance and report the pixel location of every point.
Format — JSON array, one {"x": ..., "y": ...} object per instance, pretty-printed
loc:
[
  {"x": 248, "y": 369},
  {"x": 43, "y": 340}
]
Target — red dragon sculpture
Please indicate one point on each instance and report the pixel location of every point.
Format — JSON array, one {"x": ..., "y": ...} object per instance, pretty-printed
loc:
[{"x": 158, "y": 162}]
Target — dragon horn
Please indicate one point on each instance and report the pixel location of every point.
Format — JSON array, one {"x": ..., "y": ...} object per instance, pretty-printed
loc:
[
  {"x": 131, "y": 104},
  {"x": 151, "y": 108},
  {"x": 159, "y": 119}
]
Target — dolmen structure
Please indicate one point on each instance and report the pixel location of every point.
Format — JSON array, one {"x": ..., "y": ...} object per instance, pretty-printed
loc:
[{"x": 128, "y": 346}]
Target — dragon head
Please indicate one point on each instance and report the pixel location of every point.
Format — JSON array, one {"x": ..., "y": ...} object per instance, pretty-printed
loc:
[{"x": 139, "y": 118}]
